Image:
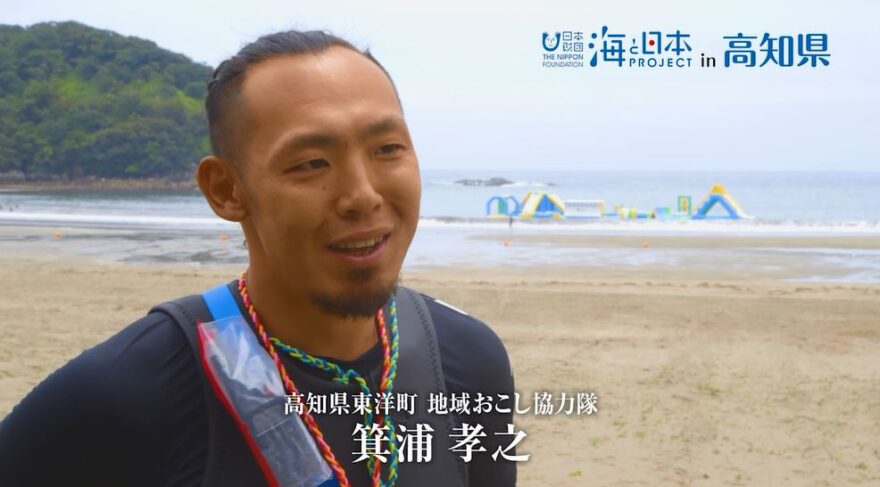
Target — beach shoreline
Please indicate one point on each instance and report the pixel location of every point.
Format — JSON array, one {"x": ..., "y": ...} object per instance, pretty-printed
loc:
[
  {"x": 831, "y": 258},
  {"x": 96, "y": 183}
]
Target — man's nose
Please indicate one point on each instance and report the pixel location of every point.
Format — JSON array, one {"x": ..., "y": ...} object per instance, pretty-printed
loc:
[{"x": 357, "y": 189}]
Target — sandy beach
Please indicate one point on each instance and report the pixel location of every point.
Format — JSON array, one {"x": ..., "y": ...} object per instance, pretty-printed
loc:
[{"x": 704, "y": 376}]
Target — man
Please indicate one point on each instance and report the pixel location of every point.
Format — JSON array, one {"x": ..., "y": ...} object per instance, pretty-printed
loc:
[{"x": 313, "y": 158}]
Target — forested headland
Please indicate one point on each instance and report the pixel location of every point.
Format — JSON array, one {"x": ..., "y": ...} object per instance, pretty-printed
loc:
[{"x": 83, "y": 103}]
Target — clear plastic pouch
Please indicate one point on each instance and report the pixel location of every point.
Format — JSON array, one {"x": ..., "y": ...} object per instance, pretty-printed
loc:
[{"x": 248, "y": 378}]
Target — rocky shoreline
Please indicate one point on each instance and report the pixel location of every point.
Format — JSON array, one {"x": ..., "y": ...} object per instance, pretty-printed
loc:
[{"x": 98, "y": 183}]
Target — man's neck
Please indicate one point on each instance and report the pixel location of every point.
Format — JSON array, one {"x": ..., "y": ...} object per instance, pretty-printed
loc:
[{"x": 296, "y": 321}]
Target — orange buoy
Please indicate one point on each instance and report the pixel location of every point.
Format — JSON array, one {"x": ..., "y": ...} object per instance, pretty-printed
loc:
[{"x": 57, "y": 235}]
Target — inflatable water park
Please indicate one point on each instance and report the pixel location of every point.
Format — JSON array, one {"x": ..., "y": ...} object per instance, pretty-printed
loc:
[{"x": 544, "y": 205}]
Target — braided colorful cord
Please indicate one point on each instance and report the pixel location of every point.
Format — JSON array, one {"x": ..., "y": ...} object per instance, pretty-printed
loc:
[{"x": 390, "y": 353}]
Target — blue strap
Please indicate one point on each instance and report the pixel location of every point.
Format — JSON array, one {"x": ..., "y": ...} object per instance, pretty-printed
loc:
[{"x": 220, "y": 302}]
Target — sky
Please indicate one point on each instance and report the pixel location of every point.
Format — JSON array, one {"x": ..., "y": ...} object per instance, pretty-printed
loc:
[{"x": 476, "y": 95}]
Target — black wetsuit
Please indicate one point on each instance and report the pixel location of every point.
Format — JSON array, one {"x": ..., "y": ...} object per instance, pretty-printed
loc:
[{"x": 131, "y": 410}]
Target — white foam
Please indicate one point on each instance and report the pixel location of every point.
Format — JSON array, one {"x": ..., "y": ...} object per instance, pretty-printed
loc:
[
  {"x": 657, "y": 227},
  {"x": 594, "y": 227},
  {"x": 82, "y": 219}
]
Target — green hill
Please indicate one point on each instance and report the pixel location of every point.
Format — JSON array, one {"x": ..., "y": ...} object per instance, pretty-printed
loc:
[{"x": 77, "y": 101}]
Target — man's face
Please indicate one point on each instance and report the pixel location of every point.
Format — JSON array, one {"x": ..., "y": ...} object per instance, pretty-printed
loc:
[{"x": 331, "y": 178}]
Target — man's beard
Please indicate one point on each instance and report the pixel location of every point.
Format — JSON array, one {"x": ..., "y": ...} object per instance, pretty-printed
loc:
[{"x": 362, "y": 303}]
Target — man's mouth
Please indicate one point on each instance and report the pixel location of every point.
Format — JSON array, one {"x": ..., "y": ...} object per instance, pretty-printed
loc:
[{"x": 360, "y": 248}]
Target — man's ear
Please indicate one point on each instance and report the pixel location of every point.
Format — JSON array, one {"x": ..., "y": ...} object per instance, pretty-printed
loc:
[{"x": 222, "y": 188}]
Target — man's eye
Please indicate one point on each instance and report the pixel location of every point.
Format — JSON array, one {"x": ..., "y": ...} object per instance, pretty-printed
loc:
[
  {"x": 309, "y": 165},
  {"x": 388, "y": 149}
]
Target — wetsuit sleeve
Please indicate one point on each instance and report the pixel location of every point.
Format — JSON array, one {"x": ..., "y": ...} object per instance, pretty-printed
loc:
[
  {"x": 103, "y": 419},
  {"x": 476, "y": 362}
]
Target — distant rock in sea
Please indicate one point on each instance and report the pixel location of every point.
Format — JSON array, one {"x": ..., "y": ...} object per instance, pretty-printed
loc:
[{"x": 484, "y": 182}]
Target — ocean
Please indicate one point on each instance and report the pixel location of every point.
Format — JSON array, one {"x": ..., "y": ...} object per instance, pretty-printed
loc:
[
  {"x": 806, "y": 199},
  {"x": 178, "y": 226}
]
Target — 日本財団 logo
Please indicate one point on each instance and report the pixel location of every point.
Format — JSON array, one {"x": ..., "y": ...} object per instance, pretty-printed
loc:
[{"x": 675, "y": 50}]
